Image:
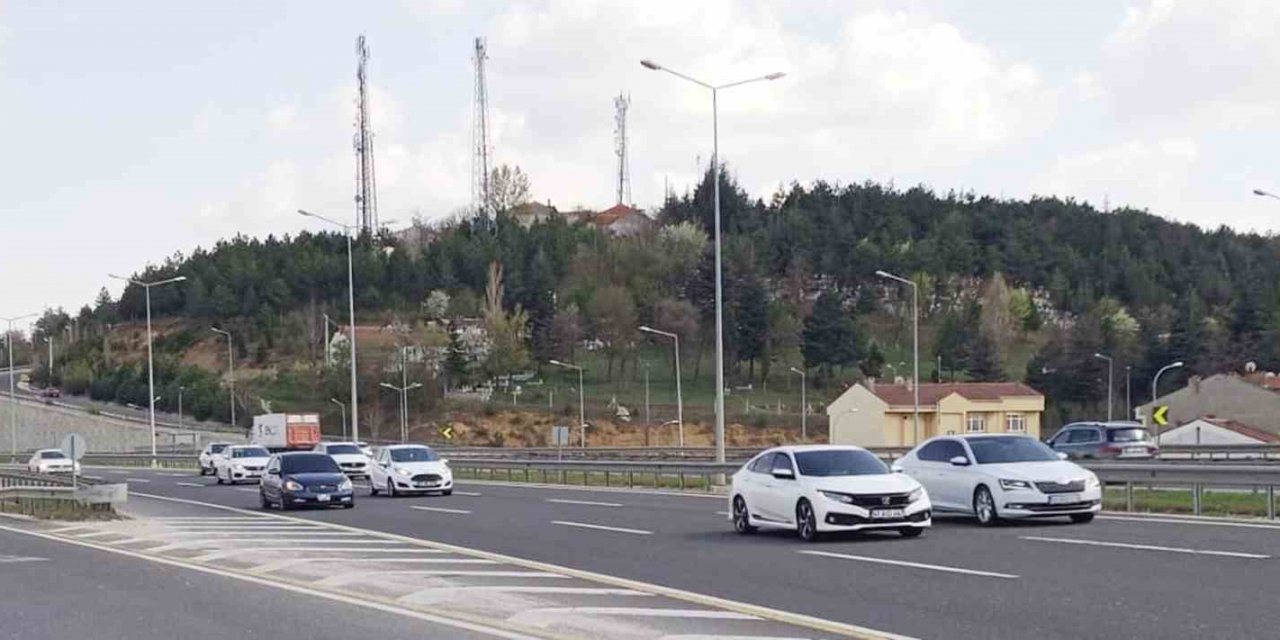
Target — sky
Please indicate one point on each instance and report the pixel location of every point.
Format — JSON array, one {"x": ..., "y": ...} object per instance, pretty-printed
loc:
[{"x": 137, "y": 130}]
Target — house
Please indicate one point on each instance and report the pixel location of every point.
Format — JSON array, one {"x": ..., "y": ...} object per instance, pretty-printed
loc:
[
  {"x": 1248, "y": 400},
  {"x": 370, "y": 338},
  {"x": 1210, "y": 430},
  {"x": 623, "y": 221},
  {"x": 529, "y": 213},
  {"x": 881, "y": 415}
]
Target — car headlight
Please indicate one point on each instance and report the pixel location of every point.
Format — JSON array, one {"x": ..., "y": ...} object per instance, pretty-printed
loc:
[
  {"x": 345, "y": 485},
  {"x": 916, "y": 495},
  {"x": 1009, "y": 485},
  {"x": 290, "y": 485},
  {"x": 838, "y": 497},
  {"x": 1093, "y": 482},
  {"x": 238, "y": 467},
  {"x": 402, "y": 471}
]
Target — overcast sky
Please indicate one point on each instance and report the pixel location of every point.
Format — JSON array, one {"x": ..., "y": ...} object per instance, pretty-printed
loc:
[{"x": 135, "y": 130}]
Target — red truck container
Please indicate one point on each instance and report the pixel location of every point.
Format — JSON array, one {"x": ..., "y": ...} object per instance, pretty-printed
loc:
[{"x": 286, "y": 431}]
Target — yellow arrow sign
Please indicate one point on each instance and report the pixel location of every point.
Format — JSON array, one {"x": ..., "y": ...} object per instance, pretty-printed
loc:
[
  {"x": 447, "y": 432},
  {"x": 1160, "y": 415}
]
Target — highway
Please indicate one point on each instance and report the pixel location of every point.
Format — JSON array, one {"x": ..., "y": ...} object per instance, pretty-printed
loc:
[{"x": 1116, "y": 577}]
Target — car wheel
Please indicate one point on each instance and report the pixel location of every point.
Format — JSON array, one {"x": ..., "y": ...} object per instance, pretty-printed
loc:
[
  {"x": 741, "y": 518},
  {"x": 806, "y": 522},
  {"x": 984, "y": 506},
  {"x": 284, "y": 504},
  {"x": 391, "y": 488},
  {"x": 1081, "y": 518},
  {"x": 911, "y": 532},
  {"x": 373, "y": 487},
  {"x": 203, "y": 472},
  {"x": 266, "y": 504},
  {"x": 349, "y": 505},
  {"x": 217, "y": 477},
  {"x": 447, "y": 492}
]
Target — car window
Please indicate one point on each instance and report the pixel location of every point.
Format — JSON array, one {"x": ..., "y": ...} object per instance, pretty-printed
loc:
[
  {"x": 840, "y": 462},
  {"x": 52, "y": 455},
  {"x": 935, "y": 451},
  {"x": 782, "y": 461},
  {"x": 339, "y": 449},
  {"x": 953, "y": 449},
  {"x": 249, "y": 452},
  {"x": 1129, "y": 434},
  {"x": 217, "y": 448},
  {"x": 762, "y": 463},
  {"x": 1003, "y": 449},
  {"x": 1079, "y": 436},
  {"x": 414, "y": 454},
  {"x": 308, "y": 463}
]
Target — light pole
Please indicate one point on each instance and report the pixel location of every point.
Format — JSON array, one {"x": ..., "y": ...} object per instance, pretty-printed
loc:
[
  {"x": 151, "y": 377},
  {"x": 328, "y": 356},
  {"x": 1110, "y": 386},
  {"x": 49, "y": 340},
  {"x": 343, "y": 407},
  {"x": 1128, "y": 396},
  {"x": 679, "y": 393},
  {"x": 180, "y": 390},
  {"x": 582, "y": 414},
  {"x": 1154, "y": 386},
  {"x": 13, "y": 402},
  {"x": 804, "y": 413},
  {"x": 231, "y": 372},
  {"x": 404, "y": 404},
  {"x": 1265, "y": 194},
  {"x": 646, "y": 395},
  {"x": 351, "y": 310},
  {"x": 715, "y": 177},
  {"x": 915, "y": 351}
]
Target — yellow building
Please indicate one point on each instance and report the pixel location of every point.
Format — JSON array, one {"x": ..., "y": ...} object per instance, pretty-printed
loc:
[{"x": 880, "y": 415}]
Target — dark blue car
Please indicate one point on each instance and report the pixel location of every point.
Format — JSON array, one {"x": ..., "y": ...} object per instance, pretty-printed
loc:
[{"x": 304, "y": 479}]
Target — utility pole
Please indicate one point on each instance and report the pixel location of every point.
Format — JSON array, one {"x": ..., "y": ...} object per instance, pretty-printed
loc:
[
  {"x": 915, "y": 350},
  {"x": 231, "y": 372},
  {"x": 343, "y": 408},
  {"x": 151, "y": 377},
  {"x": 1128, "y": 405},
  {"x": 480, "y": 160},
  {"x": 366, "y": 182}
]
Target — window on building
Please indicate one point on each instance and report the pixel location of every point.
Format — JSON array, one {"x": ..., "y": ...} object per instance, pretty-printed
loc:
[
  {"x": 1015, "y": 423},
  {"x": 976, "y": 423}
]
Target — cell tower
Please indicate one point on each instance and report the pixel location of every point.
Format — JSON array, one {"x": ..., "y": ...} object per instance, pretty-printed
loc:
[
  {"x": 366, "y": 183},
  {"x": 480, "y": 161},
  {"x": 621, "y": 104}
]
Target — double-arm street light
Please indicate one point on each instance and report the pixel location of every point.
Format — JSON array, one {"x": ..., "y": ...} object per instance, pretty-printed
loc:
[
  {"x": 679, "y": 395},
  {"x": 1155, "y": 382},
  {"x": 804, "y": 425},
  {"x": 343, "y": 407},
  {"x": 915, "y": 351},
  {"x": 1110, "y": 372},
  {"x": 715, "y": 177},
  {"x": 13, "y": 402},
  {"x": 231, "y": 372},
  {"x": 404, "y": 406},
  {"x": 351, "y": 310},
  {"x": 151, "y": 377},
  {"x": 582, "y": 413}
]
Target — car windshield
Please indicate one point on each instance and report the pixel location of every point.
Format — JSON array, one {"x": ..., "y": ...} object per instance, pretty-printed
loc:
[
  {"x": 335, "y": 449},
  {"x": 308, "y": 463},
  {"x": 55, "y": 455},
  {"x": 249, "y": 452},
  {"x": 217, "y": 448},
  {"x": 1010, "y": 449},
  {"x": 1135, "y": 434},
  {"x": 840, "y": 462},
  {"x": 414, "y": 454}
]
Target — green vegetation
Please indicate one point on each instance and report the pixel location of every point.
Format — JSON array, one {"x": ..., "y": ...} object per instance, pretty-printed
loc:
[{"x": 1212, "y": 503}]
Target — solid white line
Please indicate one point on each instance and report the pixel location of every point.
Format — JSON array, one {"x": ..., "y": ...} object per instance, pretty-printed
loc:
[
  {"x": 259, "y": 533},
  {"x": 189, "y": 484},
  {"x": 343, "y": 578},
  {"x": 589, "y": 503},
  {"x": 600, "y": 527},
  {"x": 210, "y": 543},
  {"x": 425, "y": 594},
  {"x": 246, "y": 490},
  {"x": 276, "y": 565},
  {"x": 211, "y": 518},
  {"x": 142, "y": 480},
  {"x": 17, "y": 559},
  {"x": 226, "y": 553},
  {"x": 467, "y": 493},
  {"x": 702, "y": 614},
  {"x": 701, "y": 636},
  {"x": 722, "y": 513},
  {"x": 176, "y": 475},
  {"x": 442, "y": 510},
  {"x": 1149, "y": 547},
  {"x": 1211, "y": 523},
  {"x": 95, "y": 534},
  {"x": 913, "y": 565}
]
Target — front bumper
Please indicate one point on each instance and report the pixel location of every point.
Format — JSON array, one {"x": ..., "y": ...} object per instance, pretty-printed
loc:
[
  {"x": 321, "y": 499},
  {"x": 838, "y": 516},
  {"x": 239, "y": 476},
  {"x": 407, "y": 484},
  {"x": 1034, "y": 504}
]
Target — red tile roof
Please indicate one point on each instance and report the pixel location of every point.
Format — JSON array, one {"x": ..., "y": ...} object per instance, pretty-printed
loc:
[
  {"x": 614, "y": 214},
  {"x": 1238, "y": 427},
  {"x": 931, "y": 393}
]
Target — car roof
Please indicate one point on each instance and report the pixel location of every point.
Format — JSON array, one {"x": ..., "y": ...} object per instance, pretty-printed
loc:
[
  {"x": 44, "y": 450},
  {"x": 1115, "y": 424},
  {"x": 246, "y": 446},
  {"x": 330, "y": 444},
  {"x": 800, "y": 448},
  {"x": 982, "y": 436},
  {"x": 295, "y": 454},
  {"x": 406, "y": 445}
]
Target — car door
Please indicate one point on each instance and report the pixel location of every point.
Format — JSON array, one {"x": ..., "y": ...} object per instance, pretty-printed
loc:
[
  {"x": 955, "y": 483},
  {"x": 378, "y": 470},
  {"x": 1068, "y": 442},
  {"x": 271, "y": 479},
  {"x": 778, "y": 495},
  {"x": 926, "y": 468}
]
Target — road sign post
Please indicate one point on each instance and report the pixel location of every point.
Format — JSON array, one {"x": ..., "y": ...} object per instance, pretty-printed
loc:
[
  {"x": 560, "y": 437},
  {"x": 73, "y": 447}
]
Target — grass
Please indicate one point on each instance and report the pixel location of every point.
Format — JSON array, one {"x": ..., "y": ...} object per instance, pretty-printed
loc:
[{"x": 1178, "y": 501}]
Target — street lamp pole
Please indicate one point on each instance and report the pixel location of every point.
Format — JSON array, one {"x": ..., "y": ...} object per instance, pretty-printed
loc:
[
  {"x": 49, "y": 339},
  {"x": 804, "y": 406},
  {"x": 13, "y": 402},
  {"x": 151, "y": 370},
  {"x": 180, "y": 390},
  {"x": 1154, "y": 386},
  {"x": 715, "y": 177},
  {"x": 351, "y": 309},
  {"x": 1110, "y": 385},
  {"x": 582, "y": 415},
  {"x": 1128, "y": 395},
  {"x": 404, "y": 405},
  {"x": 231, "y": 373},
  {"x": 343, "y": 407},
  {"x": 679, "y": 392},
  {"x": 915, "y": 351}
]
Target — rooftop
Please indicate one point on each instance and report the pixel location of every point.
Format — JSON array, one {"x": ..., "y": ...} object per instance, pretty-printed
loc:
[{"x": 931, "y": 393}]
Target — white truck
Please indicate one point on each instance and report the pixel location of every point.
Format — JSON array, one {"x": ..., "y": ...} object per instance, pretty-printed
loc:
[{"x": 286, "y": 431}]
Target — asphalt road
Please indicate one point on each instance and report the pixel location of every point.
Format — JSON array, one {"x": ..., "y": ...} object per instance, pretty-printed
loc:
[
  {"x": 53, "y": 590},
  {"x": 1116, "y": 577}
]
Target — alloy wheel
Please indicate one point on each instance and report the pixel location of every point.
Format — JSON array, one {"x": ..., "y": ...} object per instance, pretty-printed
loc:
[{"x": 741, "y": 519}]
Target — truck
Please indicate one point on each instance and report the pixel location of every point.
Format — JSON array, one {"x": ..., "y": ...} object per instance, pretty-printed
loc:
[{"x": 285, "y": 431}]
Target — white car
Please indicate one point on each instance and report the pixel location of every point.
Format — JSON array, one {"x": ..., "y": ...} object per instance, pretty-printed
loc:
[
  {"x": 410, "y": 468},
  {"x": 368, "y": 450},
  {"x": 209, "y": 456},
  {"x": 820, "y": 488},
  {"x": 998, "y": 476},
  {"x": 241, "y": 462},
  {"x": 350, "y": 458},
  {"x": 51, "y": 461}
]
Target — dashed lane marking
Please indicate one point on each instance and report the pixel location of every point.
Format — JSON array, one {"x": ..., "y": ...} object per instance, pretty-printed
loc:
[
  {"x": 423, "y": 594},
  {"x": 352, "y": 576},
  {"x": 190, "y": 484},
  {"x": 227, "y": 553},
  {"x": 18, "y": 559},
  {"x": 472, "y": 494},
  {"x": 600, "y": 527},
  {"x": 1149, "y": 547},
  {"x": 589, "y": 503},
  {"x": 442, "y": 510},
  {"x": 692, "y": 614},
  {"x": 139, "y": 480},
  {"x": 912, "y": 565}
]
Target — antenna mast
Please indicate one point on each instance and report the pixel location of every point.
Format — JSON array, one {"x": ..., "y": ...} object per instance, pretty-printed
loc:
[
  {"x": 366, "y": 183},
  {"x": 480, "y": 160},
  {"x": 621, "y": 104}
]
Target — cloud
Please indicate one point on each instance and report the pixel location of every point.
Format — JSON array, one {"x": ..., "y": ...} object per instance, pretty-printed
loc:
[{"x": 1144, "y": 174}]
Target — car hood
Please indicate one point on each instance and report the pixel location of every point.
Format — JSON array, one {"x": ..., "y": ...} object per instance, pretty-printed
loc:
[
  {"x": 348, "y": 457},
  {"x": 880, "y": 483},
  {"x": 1047, "y": 471},
  {"x": 422, "y": 467},
  {"x": 324, "y": 477},
  {"x": 249, "y": 462},
  {"x": 56, "y": 463}
]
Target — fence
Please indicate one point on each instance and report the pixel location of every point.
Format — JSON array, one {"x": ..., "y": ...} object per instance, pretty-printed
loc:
[
  {"x": 1197, "y": 476},
  {"x": 48, "y": 495}
]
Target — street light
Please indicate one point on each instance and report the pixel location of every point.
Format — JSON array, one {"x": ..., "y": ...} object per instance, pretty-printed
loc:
[
  {"x": 679, "y": 393},
  {"x": 1110, "y": 371},
  {"x": 231, "y": 372},
  {"x": 582, "y": 414},
  {"x": 1154, "y": 385},
  {"x": 180, "y": 390},
  {"x": 1128, "y": 396},
  {"x": 343, "y": 407},
  {"x": 715, "y": 176},
  {"x": 404, "y": 406},
  {"x": 351, "y": 309},
  {"x": 49, "y": 340},
  {"x": 13, "y": 402},
  {"x": 804, "y": 427},
  {"x": 1265, "y": 194},
  {"x": 151, "y": 377},
  {"x": 915, "y": 350}
]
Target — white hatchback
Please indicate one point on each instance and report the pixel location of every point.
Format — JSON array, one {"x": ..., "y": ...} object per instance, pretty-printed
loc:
[
  {"x": 209, "y": 456},
  {"x": 994, "y": 476},
  {"x": 239, "y": 463},
  {"x": 409, "y": 468},
  {"x": 349, "y": 456},
  {"x": 819, "y": 488}
]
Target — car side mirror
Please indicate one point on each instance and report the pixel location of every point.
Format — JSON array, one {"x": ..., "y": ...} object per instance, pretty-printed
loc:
[
  {"x": 895, "y": 468},
  {"x": 444, "y": 460},
  {"x": 384, "y": 465},
  {"x": 960, "y": 461},
  {"x": 273, "y": 472},
  {"x": 784, "y": 474},
  {"x": 1062, "y": 455}
]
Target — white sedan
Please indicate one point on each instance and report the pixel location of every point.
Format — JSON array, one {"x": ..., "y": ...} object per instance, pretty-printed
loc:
[
  {"x": 409, "y": 468},
  {"x": 1003, "y": 476},
  {"x": 240, "y": 462},
  {"x": 349, "y": 456},
  {"x": 209, "y": 456},
  {"x": 820, "y": 488},
  {"x": 51, "y": 461}
]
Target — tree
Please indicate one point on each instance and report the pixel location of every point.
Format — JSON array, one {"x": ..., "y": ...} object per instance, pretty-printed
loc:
[
  {"x": 508, "y": 188},
  {"x": 506, "y": 330},
  {"x": 436, "y": 305},
  {"x": 984, "y": 359},
  {"x": 566, "y": 331},
  {"x": 613, "y": 319},
  {"x": 752, "y": 316},
  {"x": 830, "y": 336},
  {"x": 783, "y": 344}
]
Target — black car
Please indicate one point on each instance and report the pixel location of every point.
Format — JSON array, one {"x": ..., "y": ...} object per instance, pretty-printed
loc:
[
  {"x": 304, "y": 478},
  {"x": 1098, "y": 440}
]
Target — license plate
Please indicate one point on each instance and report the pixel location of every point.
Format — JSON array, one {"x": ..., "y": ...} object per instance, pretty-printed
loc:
[
  {"x": 1064, "y": 498},
  {"x": 886, "y": 514},
  {"x": 324, "y": 497}
]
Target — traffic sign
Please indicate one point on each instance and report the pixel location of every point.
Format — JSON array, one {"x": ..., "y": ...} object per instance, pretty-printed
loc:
[
  {"x": 1160, "y": 415},
  {"x": 559, "y": 435},
  {"x": 446, "y": 432},
  {"x": 73, "y": 446}
]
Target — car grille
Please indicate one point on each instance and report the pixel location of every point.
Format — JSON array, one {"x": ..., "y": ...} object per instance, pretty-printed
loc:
[
  {"x": 353, "y": 465},
  {"x": 322, "y": 488},
  {"x": 881, "y": 500},
  {"x": 427, "y": 477},
  {"x": 254, "y": 469},
  {"x": 850, "y": 520},
  {"x": 1058, "y": 487}
]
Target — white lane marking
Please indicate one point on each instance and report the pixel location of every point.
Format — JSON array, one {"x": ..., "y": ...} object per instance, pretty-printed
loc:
[
  {"x": 589, "y": 503},
  {"x": 426, "y": 594},
  {"x": 696, "y": 636},
  {"x": 310, "y": 532},
  {"x": 175, "y": 475},
  {"x": 246, "y": 490},
  {"x": 343, "y": 578},
  {"x": 276, "y": 565},
  {"x": 472, "y": 494},
  {"x": 227, "y": 553},
  {"x": 442, "y": 510},
  {"x": 600, "y": 527},
  {"x": 211, "y": 543},
  {"x": 1210, "y": 523},
  {"x": 913, "y": 565},
  {"x": 212, "y": 518},
  {"x": 702, "y": 614},
  {"x": 722, "y": 513},
  {"x": 189, "y": 484},
  {"x": 65, "y": 529},
  {"x": 17, "y": 559},
  {"x": 94, "y": 534},
  {"x": 142, "y": 480},
  {"x": 1149, "y": 547}
]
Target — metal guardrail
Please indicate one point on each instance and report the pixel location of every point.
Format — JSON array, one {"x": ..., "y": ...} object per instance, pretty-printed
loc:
[
  {"x": 88, "y": 491},
  {"x": 1220, "y": 452},
  {"x": 1194, "y": 475},
  {"x": 657, "y": 474},
  {"x": 739, "y": 454}
]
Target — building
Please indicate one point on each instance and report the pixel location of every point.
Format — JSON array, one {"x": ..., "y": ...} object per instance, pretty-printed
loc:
[
  {"x": 881, "y": 415},
  {"x": 1211, "y": 431},
  {"x": 1228, "y": 396},
  {"x": 530, "y": 213},
  {"x": 623, "y": 221}
]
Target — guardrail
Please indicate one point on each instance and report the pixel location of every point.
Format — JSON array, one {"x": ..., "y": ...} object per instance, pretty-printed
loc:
[
  {"x": 739, "y": 454},
  {"x": 87, "y": 495},
  {"x": 1197, "y": 476},
  {"x": 1220, "y": 452},
  {"x": 657, "y": 474}
]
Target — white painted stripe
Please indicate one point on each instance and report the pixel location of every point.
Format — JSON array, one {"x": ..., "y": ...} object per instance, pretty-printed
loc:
[
  {"x": 95, "y": 534},
  {"x": 176, "y": 475},
  {"x": 189, "y": 484},
  {"x": 600, "y": 527},
  {"x": 692, "y": 614},
  {"x": 246, "y": 490},
  {"x": 65, "y": 529},
  {"x": 277, "y": 565},
  {"x": 1210, "y": 523},
  {"x": 589, "y": 503},
  {"x": 17, "y": 559},
  {"x": 213, "y": 518},
  {"x": 343, "y": 578},
  {"x": 446, "y": 592},
  {"x": 723, "y": 513},
  {"x": 702, "y": 636},
  {"x": 913, "y": 565},
  {"x": 467, "y": 493},
  {"x": 1149, "y": 547},
  {"x": 212, "y": 543},
  {"x": 142, "y": 480},
  {"x": 442, "y": 510},
  {"x": 260, "y": 533},
  {"x": 227, "y": 553}
]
